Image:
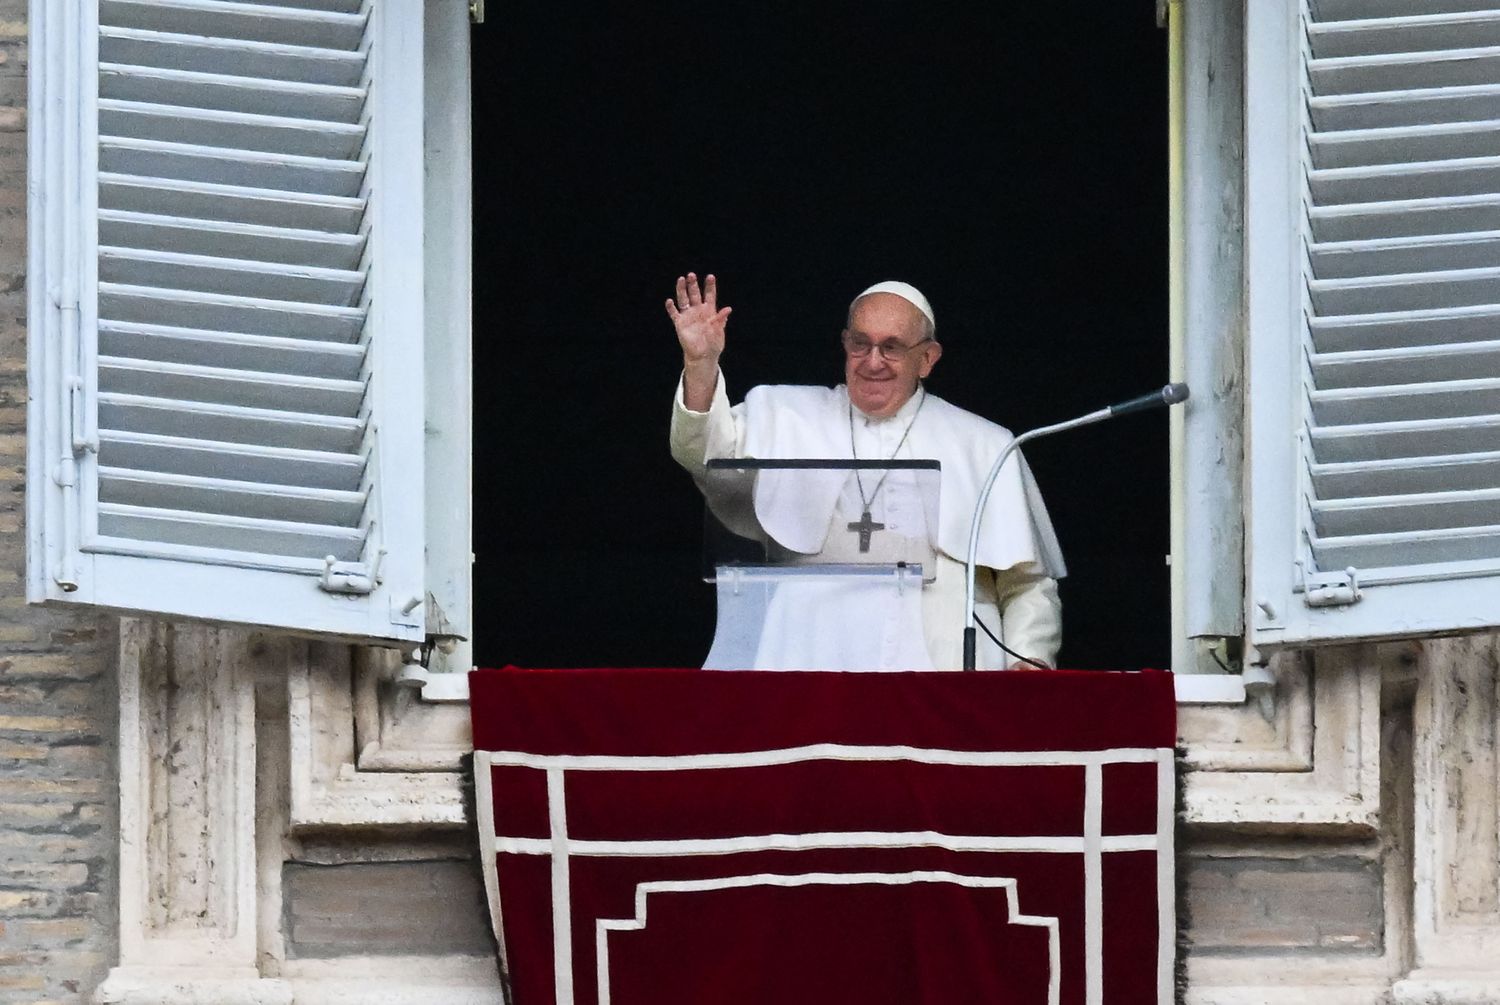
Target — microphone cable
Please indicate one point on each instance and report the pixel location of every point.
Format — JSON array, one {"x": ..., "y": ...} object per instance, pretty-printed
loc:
[{"x": 1008, "y": 649}]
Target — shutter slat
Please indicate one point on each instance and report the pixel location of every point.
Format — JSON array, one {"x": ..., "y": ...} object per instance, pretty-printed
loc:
[
  {"x": 1349, "y": 10},
  {"x": 1446, "y": 141},
  {"x": 1411, "y": 255},
  {"x": 280, "y": 391},
  {"x": 231, "y": 423},
  {"x": 251, "y": 22},
  {"x": 1413, "y": 291},
  {"x": 231, "y": 204},
  {"x": 250, "y": 315},
  {"x": 1411, "y": 548},
  {"x": 155, "y": 159},
  {"x": 281, "y": 245},
  {"x": 1404, "y": 513},
  {"x": 337, "y": 6},
  {"x": 1398, "y": 329},
  {"x": 234, "y": 277},
  {"x": 1405, "y": 217},
  {"x": 336, "y": 360},
  {"x": 1398, "y": 476},
  {"x": 1371, "y": 441},
  {"x": 1411, "y": 365},
  {"x": 221, "y": 92},
  {"x": 171, "y": 50},
  {"x": 230, "y": 497},
  {"x": 1423, "y": 180},
  {"x": 1386, "y": 109},
  {"x": 226, "y": 533},
  {"x": 1405, "y": 71},
  {"x": 1423, "y": 33},
  {"x": 1439, "y": 399},
  {"x": 237, "y": 130},
  {"x": 179, "y": 455}
]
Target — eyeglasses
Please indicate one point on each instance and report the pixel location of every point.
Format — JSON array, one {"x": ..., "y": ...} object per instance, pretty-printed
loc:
[{"x": 891, "y": 351}]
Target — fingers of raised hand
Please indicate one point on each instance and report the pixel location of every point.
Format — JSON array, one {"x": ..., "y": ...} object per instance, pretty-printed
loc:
[{"x": 691, "y": 297}]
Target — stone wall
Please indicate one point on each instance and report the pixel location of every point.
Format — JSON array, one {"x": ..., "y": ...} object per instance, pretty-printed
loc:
[
  {"x": 1342, "y": 842},
  {"x": 1342, "y": 835},
  {"x": 366, "y": 908},
  {"x": 58, "y": 841},
  {"x": 1305, "y": 899}
]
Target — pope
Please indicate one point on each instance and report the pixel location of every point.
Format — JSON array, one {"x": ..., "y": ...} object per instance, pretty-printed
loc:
[{"x": 882, "y": 411}]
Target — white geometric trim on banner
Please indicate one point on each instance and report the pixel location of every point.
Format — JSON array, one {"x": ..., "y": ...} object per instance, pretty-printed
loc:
[{"x": 643, "y": 890}]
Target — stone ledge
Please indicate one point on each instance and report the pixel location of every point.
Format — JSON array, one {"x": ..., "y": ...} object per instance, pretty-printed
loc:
[
  {"x": 1290, "y": 994},
  {"x": 395, "y": 980},
  {"x": 377, "y": 992},
  {"x": 1447, "y": 988},
  {"x": 190, "y": 986},
  {"x": 1289, "y": 978}
]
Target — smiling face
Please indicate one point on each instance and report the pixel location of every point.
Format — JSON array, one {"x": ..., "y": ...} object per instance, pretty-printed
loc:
[{"x": 879, "y": 387}]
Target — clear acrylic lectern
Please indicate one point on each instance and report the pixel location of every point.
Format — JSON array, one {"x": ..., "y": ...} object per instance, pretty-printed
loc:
[{"x": 820, "y": 564}]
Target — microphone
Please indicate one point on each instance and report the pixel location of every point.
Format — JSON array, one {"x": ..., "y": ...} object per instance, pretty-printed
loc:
[{"x": 1171, "y": 394}]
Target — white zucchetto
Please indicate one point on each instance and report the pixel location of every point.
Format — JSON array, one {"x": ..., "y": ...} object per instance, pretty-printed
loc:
[{"x": 907, "y": 292}]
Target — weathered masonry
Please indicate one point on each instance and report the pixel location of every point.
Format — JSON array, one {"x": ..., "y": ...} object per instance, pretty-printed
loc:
[{"x": 239, "y": 521}]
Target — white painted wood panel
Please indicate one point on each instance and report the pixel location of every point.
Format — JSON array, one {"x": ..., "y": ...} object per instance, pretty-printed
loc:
[
  {"x": 247, "y": 351},
  {"x": 1378, "y": 287}
]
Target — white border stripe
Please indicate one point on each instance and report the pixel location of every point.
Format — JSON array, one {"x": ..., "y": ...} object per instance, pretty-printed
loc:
[
  {"x": 823, "y": 752},
  {"x": 1093, "y": 884},
  {"x": 562, "y": 899},
  {"x": 1166, "y": 871},
  {"x": 643, "y": 890},
  {"x": 684, "y": 847},
  {"x": 484, "y": 808}
]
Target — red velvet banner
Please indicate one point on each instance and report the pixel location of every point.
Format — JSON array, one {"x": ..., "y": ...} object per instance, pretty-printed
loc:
[{"x": 655, "y": 837}]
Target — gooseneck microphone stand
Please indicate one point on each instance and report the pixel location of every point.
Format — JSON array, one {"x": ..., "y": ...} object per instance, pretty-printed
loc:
[{"x": 1172, "y": 394}]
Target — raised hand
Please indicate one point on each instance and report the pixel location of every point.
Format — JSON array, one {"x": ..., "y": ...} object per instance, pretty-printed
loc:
[{"x": 699, "y": 321}]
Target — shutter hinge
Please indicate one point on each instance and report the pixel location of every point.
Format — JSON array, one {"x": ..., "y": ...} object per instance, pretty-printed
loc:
[
  {"x": 476, "y": 11},
  {"x": 82, "y": 440},
  {"x": 356, "y": 578},
  {"x": 1332, "y": 589}
]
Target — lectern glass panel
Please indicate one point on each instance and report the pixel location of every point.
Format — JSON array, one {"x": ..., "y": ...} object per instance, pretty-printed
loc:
[
  {"x": 837, "y": 512},
  {"x": 820, "y": 564}
]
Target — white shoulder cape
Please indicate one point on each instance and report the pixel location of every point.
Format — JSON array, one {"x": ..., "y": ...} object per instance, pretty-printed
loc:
[{"x": 786, "y": 422}]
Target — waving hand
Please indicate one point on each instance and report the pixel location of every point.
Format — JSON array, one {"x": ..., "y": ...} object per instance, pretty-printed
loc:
[{"x": 700, "y": 323}]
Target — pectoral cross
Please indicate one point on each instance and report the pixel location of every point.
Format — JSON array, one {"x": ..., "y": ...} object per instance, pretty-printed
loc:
[{"x": 864, "y": 527}]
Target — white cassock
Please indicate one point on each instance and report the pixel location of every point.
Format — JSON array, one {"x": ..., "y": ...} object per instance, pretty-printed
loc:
[{"x": 1019, "y": 558}]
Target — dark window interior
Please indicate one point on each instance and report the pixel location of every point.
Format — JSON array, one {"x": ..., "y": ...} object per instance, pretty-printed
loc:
[{"x": 1008, "y": 159}]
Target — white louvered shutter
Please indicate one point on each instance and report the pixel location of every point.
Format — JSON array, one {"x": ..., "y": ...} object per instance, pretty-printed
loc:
[
  {"x": 230, "y": 422},
  {"x": 1373, "y": 272}
]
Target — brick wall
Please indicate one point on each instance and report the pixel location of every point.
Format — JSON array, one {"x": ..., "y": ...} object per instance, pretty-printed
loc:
[{"x": 57, "y": 705}]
